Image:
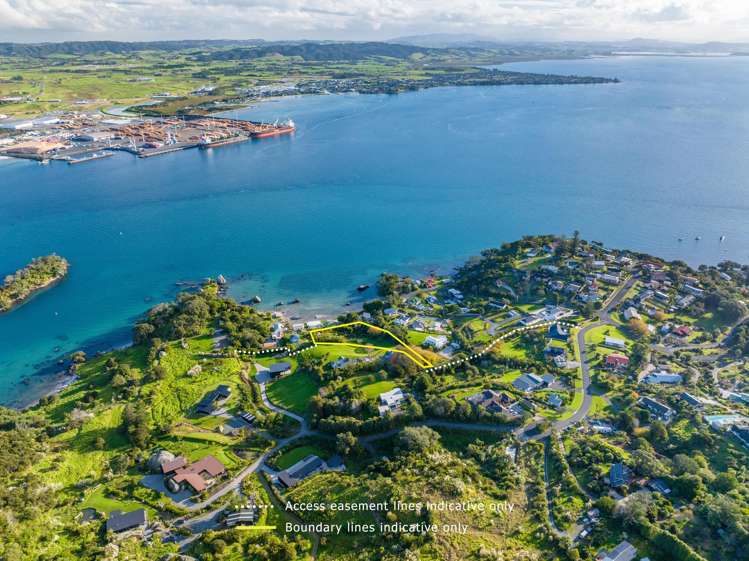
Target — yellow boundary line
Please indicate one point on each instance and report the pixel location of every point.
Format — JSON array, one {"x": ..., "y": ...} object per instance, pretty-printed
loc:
[{"x": 410, "y": 353}]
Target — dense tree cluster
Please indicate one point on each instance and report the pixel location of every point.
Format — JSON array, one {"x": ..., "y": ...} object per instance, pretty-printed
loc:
[{"x": 193, "y": 313}]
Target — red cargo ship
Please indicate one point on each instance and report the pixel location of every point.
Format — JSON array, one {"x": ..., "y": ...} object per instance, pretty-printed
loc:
[{"x": 275, "y": 130}]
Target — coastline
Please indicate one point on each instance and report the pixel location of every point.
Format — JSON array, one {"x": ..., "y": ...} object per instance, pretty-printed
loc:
[{"x": 18, "y": 302}]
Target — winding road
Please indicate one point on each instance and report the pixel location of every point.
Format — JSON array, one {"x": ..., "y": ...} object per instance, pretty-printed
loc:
[{"x": 210, "y": 519}]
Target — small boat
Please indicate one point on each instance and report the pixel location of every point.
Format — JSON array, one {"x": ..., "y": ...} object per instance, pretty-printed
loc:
[
  {"x": 362, "y": 287},
  {"x": 294, "y": 301},
  {"x": 681, "y": 239},
  {"x": 722, "y": 238},
  {"x": 279, "y": 304},
  {"x": 697, "y": 238}
]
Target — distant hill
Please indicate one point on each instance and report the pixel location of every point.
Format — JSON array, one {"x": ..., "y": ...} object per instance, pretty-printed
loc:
[
  {"x": 322, "y": 51},
  {"x": 464, "y": 40},
  {"x": 91, "y": 47}
]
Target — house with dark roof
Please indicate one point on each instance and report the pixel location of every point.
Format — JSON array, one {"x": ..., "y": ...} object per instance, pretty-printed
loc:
[
  {"x": 528, "y": 382},
  {"x": 558, "y": 332},
  {"x": 659, "y": 486},
  {"x": 127, "y": 521},
  {"x": 619, "y": 475},
  {"x": 301, "y": 470},
  {"x": 246, "y": 515},
  {"x": 213, "y": 399},
  {"x": 625, "y": 551},
  {"x": 691, "y": 400},
  {"x": 493, "y": 402},
  {"x": 741, "y": 432},
  {"x": 656, "y": 408},
  {"x": 279, "y": 369},
  {"x": 197, "y": 476}
]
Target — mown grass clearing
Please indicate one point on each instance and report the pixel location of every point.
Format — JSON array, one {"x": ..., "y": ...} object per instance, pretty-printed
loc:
[{"x": 293, "y": 392}]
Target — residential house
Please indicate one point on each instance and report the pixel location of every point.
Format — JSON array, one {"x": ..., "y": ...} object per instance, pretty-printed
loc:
[
  {"x": 742, "y": 433},
  {"x": 301, "y": 470},
  {"x": 614, "y": 343},
  {"x": 693, "y": 290},
  {"x": 555, "y": 400},
  {"x": 560, "y": 360},
  {"x": 494, "y": 402},
  {"x": 119, "y": 521},
  {"x": 682, "y": 331},
  {"x": 619, "y": 475},
  {"x": 279, "y": 369},
  {"x": 631, "y": 313},
  {"x": 437, "y": 342},
  {"x": 528, "y": 382},
  {"x": 662, "y": 377},
  {"x": 213, "y": 399},
  {"x": 197, "y": 476},
  {"x": 625, "y": 551},
  {"x": 685, "y": 301},
  {"x": 662, "y": 296},
  {"x": 245, "y": 516},
  {"x": 277, "y": 330},
  {"x": 738, "y": 397},
  {"x": 391, "y": 401},
  {"x": 608, "y": 278},
  {"x": 724, "y": 422},
  {"x": 556, "y": 331},
  {"x": 691, "y": 400},
  {"x": 656, "y": 408},
  {"x": 616, "y": 361},
  {"x": 601, "y": 427},
  {"x": 659, "y": 486}
]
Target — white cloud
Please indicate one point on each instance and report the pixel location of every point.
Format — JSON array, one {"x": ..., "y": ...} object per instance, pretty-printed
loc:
[{"x": 354, "y": 19}]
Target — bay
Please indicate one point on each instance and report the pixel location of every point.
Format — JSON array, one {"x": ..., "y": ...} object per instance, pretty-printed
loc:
[{"x": 405, "y": 183}]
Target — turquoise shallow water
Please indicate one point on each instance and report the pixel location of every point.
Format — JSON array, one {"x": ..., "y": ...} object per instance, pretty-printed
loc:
[{"x": 368, "y": 183}]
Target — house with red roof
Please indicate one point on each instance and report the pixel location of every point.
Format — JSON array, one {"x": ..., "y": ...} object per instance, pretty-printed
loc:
[
  {"x": 197, "y": 476},
  {"x": 616, "y": 361}
]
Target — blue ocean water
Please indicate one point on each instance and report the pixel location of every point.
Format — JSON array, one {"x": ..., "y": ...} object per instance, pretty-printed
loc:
[{"x": 405, "y": 183}]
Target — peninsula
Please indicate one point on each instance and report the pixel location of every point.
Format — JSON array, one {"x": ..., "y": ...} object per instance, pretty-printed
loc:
[
  {"x": 558, "y": 397},
  {"x": 41, "y": 273}
]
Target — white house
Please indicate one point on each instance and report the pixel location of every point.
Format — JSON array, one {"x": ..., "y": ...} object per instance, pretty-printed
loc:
[
  {"x": 391, "y": 401},
  {"x": 456, "y": 294},
  {"x": 631, "y": 313},
  {"x": 438, "y": 342},
  {"x": 662, "y": 377},
  {"x": 614, "y": 342}
]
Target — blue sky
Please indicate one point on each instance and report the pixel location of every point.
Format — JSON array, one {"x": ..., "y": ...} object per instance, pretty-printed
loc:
[{"x": 684, "y": 20}]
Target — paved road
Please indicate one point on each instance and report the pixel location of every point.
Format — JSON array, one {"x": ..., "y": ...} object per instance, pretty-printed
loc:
[
  {"x": 604, "y": 318},
  {"x": 523, "y": 433}
]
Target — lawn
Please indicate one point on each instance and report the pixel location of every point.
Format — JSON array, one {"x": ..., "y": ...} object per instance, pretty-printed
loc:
[
  {"x": 196, "y": 448},
  {"x": 293, "y": 392},
  {"x": 102, "y": 503},
  {"x": 369, "y": 385},
  {"x": 599, "y": 406},
  {"x": 596, "y": 335},
  {"x": 511, "y": 349},
  {"x": 288, "y": 459}
]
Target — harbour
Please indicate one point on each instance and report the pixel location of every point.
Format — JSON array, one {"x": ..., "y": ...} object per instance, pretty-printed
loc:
[
  {"x": 314, "y": 215},
  {"x": 76, "y": 138}
]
